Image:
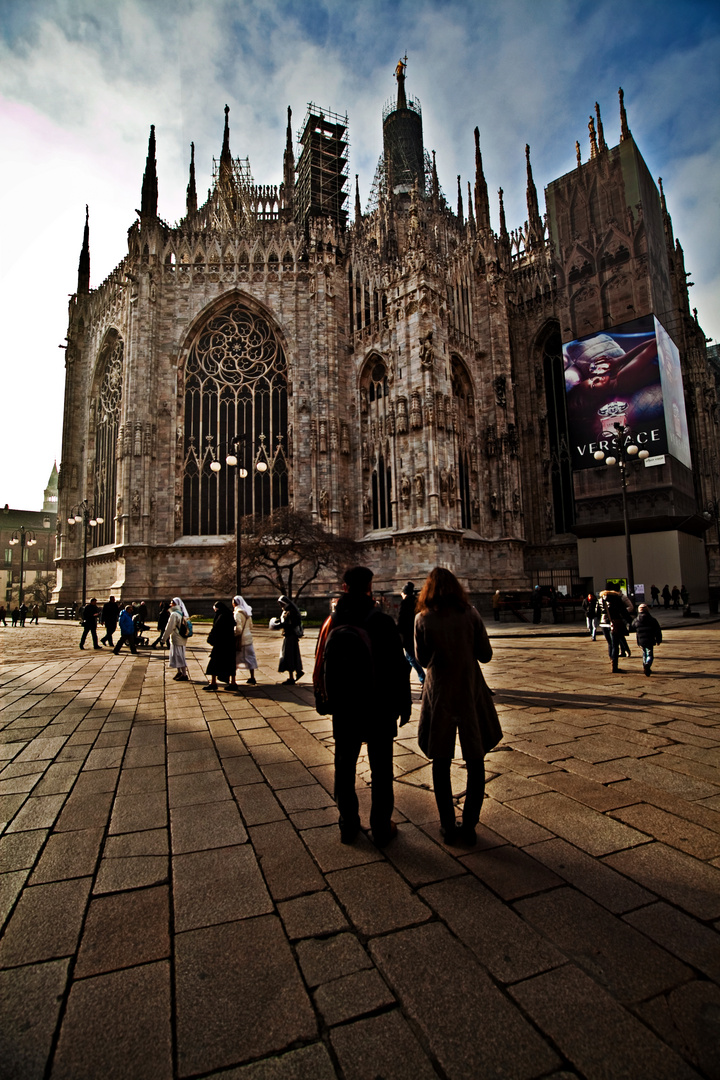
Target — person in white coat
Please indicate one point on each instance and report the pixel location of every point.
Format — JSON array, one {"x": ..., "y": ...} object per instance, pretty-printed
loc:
[
  {"x": 171, "y": 633},
  {"x": 244, "y": 648}
]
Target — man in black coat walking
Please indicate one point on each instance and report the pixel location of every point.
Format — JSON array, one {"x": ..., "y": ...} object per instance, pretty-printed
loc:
[
  {"x": 367, "y": 682},
  {"x": 406, "y": 626},
  {"x": 91, "y": 613},
  {"x": 109, "y": 619}
]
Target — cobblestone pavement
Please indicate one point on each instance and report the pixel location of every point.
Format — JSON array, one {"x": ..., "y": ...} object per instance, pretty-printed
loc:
[{"x": 176, "y": 901}]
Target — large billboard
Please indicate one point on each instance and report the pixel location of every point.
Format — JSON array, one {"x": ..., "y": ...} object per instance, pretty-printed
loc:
[{"x": 628, "y": 374}]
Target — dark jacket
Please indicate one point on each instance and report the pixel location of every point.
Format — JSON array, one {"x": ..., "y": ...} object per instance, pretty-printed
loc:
[
  {"x": 648, "y": 630},
  {"x": 456, "y": 699},
  {"x": 406, "y": 622},
  {"x": 110, "y": 612},
  {"x": 391, "y": 691},
  {"x": 222, "y": 639},
  {"x": 91, "y": 613}
]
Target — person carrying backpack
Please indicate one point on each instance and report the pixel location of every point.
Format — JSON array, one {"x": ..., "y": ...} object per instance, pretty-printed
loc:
[{"x": 363, "y": 679}]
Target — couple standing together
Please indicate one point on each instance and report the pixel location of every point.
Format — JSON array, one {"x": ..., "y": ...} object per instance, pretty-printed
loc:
[{"x": 450, "y": 639}]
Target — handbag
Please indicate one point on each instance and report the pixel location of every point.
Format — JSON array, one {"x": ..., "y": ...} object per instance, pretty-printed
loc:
[{"x": 299, "y": 630}]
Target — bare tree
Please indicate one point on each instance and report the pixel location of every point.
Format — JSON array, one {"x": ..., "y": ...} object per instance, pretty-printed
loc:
[
  {"x": 288, "y": 549},
  {"x": 40, "y": 589}
]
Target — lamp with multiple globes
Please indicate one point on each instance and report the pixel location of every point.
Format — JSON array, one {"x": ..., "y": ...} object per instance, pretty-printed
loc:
[
  {"x": 623, "y": 453},
  {"x": 232, "y": 459},
  {"x": 25, "y": 538},
  {"x": 84, "y": 514}
]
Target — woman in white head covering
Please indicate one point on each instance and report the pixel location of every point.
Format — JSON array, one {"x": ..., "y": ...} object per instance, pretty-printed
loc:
[
  {"x": 244, "y": 648},
  {"x": 171, "y": 633}
]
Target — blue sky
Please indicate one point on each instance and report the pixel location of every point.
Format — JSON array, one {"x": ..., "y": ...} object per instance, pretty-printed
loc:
[{"x": 82, "y": 80}]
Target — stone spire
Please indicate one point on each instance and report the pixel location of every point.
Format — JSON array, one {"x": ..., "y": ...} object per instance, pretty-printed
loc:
[
  {"x": 435, "y": 183},
  {"x": 400, "y": 76},
  {"x": 149, "y": 199},
  {"x": 191, "y": 199},
  {"x": 602, "y": 145},
  {"x": 482, "y": 204},
  {"x": 358, "y": 208},
  {"x": 534, "y": 219},
  {"x": 593, "y": 138},
  {"x": 503, "y": 223},
  {"x": 461, "y": 216},
  {"x": 471, "y": 215},
  {"x": 624, "y": 129},
  {"x": 289, "y": 158},
  {"x": 83, "y": 284},
  {"x": 578, "y": 155},
  {"x": 225, "y": 157}
]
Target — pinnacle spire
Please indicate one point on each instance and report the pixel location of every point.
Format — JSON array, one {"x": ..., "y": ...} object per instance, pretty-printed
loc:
[
  {"x": 578, "y": 155},
  {"x": 358, "y": 209},
  {"x": 400, "y": 76},
  {"x": 503, "y": 223},
  {"x": 435, "y": 182},
  {"x": 471, "y": 215},
  {"x": 191, "y": 200},
  {"x": 534, "y": 220},
  {"x": 289, "y": 156},
  {"x": 149, "y": 198},
  {"x": 482, "y": 204},
  {"x": 83, "y": 285},
  {"x": 461, "y": 216},
  {"x": 624, "y": 129},
  {"x": 593, "y": 138},
  {"x": 225, "y": 158},
  {"x": 602, "y": 145}
]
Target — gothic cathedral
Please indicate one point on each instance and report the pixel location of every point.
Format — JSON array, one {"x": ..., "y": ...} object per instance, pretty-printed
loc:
[{"x": 401, "y": 379}]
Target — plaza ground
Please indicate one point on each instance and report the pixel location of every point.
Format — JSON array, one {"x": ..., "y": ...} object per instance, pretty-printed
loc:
[{"x": 175, "y": 900}]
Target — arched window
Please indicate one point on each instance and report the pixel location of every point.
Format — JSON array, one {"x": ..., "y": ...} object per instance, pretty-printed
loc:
[
  {"x": 464, "y": 420},
  {"x": 378, "y": 428},
  {"x": 107, "y": 412},
  {"x": 235, "y": 386},
  {"x": 560, "y": 467}
]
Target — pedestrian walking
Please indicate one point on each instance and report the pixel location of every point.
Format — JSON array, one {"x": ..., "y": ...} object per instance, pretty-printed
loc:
[
  {"x": 15, "y": 616},
  {"x": 675, "y": 594},
  {"x": 176, "y": 632},
  {"x": 163, "y": 616},
  {"x": 666, "y": 597},
  {"x": 406, "y": 626},
  {"x": 244, "y": 648},
  {"x": 292, "y": 631},
  {"x": 364, "y": 682},
  {"x": 613, "y": 623},
  {"x": 35, "y": 614},
  {"x": 91, "y": 614},
  {"x": 648, "y": 635},
  {"x": 589, "y": 606},
  {"x": 109, "y": 619},
  {"x": 3, "y": 614},
  {"x": 684, "y": 596},
  {"x": 127, "y": 630},
  {"x": 496, "y": 604},
  {"x": 450, "y": 642},
  {"x": 22, "y": 614},
  {"x": 655, "y": 594},
  {"x": 221, "y": 664}
]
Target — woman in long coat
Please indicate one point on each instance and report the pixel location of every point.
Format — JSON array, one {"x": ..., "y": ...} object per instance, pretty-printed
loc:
[
  {"x": 171, "y": 633},
  {"x": 221, "y": 664},
  {"x": 290, "y": 624},
  {"x": 244, "y": 648},
  {"x": 450, "y": 639}
]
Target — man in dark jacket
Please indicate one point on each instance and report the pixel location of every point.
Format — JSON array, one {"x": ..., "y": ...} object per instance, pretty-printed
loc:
[
  {"x": 406, "y": 626},
  {"x": 109, "y": 619},
  {"x": 649, "y": 634},
  {"x": 365, "y": 702},
  {"x": 91, "y": 613}
]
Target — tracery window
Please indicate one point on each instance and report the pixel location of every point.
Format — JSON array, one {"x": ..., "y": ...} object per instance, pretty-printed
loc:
[
  {"x": 107, "y": 409},
  {"x": 235, "y": 386},
  {"x": 378, "y": 428},
  {"x": 464, "y": 412}
]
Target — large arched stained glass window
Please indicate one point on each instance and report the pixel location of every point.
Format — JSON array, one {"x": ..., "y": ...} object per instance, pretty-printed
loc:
[
  {"x": 106, "y": 432},
  {"x": 235, "y": 388},
  {"x": 464, "y": 412}
]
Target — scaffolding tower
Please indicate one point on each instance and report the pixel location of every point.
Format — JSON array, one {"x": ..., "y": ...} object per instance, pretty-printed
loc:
[{"x": 322, "y": 173}]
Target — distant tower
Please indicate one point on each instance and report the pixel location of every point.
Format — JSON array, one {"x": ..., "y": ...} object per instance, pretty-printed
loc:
[
  {"x": 403, "y": 139},
  {"x": 50, "y": 498}
]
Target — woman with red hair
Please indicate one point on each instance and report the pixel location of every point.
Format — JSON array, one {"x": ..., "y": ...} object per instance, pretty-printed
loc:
[{"x": 450, "y": 639}]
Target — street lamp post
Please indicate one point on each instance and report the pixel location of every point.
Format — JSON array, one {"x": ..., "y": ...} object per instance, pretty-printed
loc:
[
  {"x": 236, "y": 459},
  {"x": 25, "y": 538},
  {"x": 623, "y": 453},
  {"x": 84, "y": 512}
]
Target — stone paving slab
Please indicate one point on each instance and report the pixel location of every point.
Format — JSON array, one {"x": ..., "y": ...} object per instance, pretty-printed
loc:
[{"x": 175, "y": 901}]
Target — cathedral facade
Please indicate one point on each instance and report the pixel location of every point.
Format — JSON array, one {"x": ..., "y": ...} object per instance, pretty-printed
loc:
[{"x": 400, "y": 379}]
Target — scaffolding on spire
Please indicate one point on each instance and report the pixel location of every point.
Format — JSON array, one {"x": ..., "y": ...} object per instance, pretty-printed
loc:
[{"x": 323, "y": 169}]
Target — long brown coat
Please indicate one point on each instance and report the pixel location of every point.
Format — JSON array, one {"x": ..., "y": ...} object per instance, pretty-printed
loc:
[{"x": 455, "y": 698}]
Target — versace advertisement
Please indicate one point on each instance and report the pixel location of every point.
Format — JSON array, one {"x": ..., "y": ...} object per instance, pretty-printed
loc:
[{"x": 629, "y": 374}]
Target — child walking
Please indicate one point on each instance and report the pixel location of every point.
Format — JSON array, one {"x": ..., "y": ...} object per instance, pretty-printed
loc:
[{"x": 649, "y": 635}]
